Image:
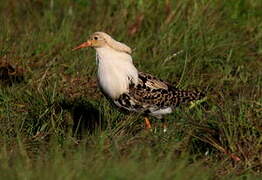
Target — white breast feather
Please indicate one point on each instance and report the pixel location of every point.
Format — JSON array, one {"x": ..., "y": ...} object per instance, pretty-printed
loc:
[{"x": 115, "y": 70}]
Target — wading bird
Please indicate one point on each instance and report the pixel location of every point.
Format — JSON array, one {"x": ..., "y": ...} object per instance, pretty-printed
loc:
[{"x": 129, "y": 89}]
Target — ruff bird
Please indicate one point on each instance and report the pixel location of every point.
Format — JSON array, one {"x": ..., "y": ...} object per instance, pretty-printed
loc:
[{"x": 129, "y": 89}]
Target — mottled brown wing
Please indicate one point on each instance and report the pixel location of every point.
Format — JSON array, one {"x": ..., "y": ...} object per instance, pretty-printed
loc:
[
  {"x": 151, "y": 91},
  {"x": 153, "y": 96}
]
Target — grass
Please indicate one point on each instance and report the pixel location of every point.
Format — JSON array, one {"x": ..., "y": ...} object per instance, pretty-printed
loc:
[{"x": 54, "y": 122}]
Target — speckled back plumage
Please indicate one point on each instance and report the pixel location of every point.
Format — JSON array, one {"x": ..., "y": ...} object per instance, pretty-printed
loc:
[{"x": 154, "y": 95}]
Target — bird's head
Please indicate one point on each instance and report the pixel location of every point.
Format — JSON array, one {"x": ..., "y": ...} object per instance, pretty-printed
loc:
[{"x": 101, "y": 39}]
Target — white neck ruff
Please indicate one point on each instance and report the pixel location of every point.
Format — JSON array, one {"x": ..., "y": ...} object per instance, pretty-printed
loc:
[{"x": 115, "y": 71}]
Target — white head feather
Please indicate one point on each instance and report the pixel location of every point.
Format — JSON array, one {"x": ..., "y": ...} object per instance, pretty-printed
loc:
[
  {"x": 113, "y": 43},
  {"x": 115, "y": 66}
]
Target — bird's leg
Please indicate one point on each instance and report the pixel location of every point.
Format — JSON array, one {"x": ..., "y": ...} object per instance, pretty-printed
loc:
[
  {"x": 164, "y": 123},
  {"x": 148, "y": 124}
]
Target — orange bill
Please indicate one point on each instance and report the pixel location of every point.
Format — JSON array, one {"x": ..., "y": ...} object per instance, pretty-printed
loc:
[{"x": 83, "y": 45}]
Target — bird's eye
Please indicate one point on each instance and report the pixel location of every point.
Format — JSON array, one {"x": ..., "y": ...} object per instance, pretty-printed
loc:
[{"x": 95, "y": 38}]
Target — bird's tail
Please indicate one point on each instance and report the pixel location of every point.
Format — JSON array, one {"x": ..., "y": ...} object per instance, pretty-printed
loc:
[
  {"x": 195, "y": 95},
  {"x": 183, "y": 97}
]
